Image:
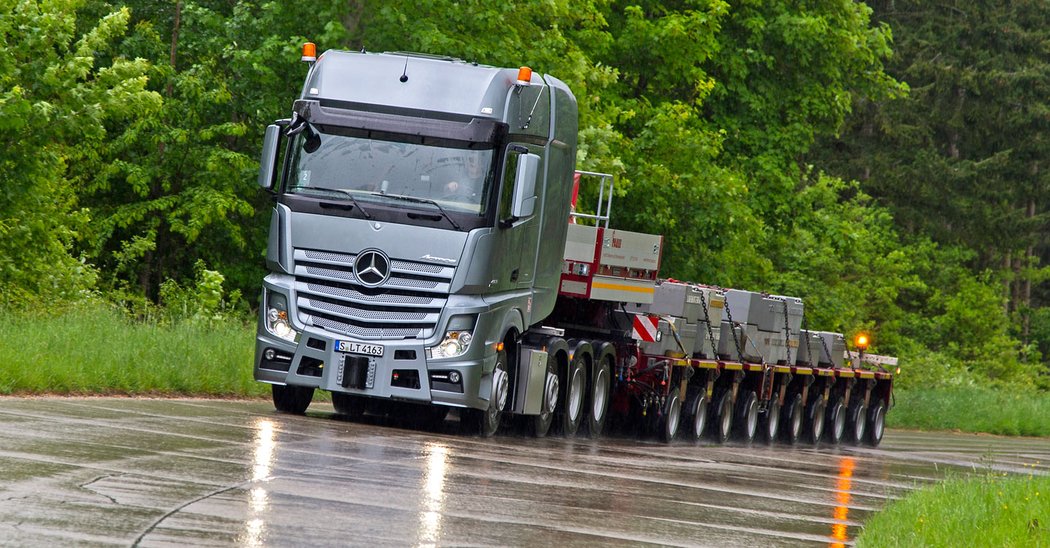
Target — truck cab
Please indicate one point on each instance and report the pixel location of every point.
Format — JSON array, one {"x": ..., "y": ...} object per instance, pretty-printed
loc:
[{"x": 418, "y": 228}]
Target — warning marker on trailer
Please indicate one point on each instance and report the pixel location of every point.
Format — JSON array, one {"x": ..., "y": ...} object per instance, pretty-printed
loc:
[{"x": 645, "y": 328}]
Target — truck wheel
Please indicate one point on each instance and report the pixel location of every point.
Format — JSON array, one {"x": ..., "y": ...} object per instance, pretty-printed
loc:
[
  {"x": 599, "y": 398},
  {"x": 487, "y": 420},
  {"x": 696, "y": 407},
  {"x": 815, "y": 421},
  {"x": 573, "y": 391},
  {"x": 876, "y": 424},
  {"x": 291, "y": 399},
  {"x": 348, "y": 405},
  {"x": 723, "y": 424},
  {"x": 771, "y": 421},
  {"x": 540, "y": 424},
  {"x": 793, "y": 419},
  {"x": 746, "y": 416},
  {"x": 836, "y": 422},
  {"x": 672, "y": 417},
  {"x": 857, "y": 423}
]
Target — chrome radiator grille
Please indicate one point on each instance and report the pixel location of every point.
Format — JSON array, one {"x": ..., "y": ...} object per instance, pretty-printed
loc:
[{"x": 406, "y": 306}]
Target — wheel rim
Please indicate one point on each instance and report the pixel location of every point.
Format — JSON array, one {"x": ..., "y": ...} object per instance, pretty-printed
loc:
[
  {"x": 796, "y": 419},
  {"x": 699, "y": 417},
  {"x": 501, "y": 384},
  {"x": 674, "y": 412},
  {"x": 861, "y": 425},
  {"x": 726, "y": 418},
  {"x": 575, "y": 393},
  {"x": 840, "y": 422},
  {"x": 773, "y": 421},
  {"x": 877, "y": 425},
  {"x": 752, "y": 418},
  {"x": 601, "y": 393},
  {"x": 551, "y": 396},
  {"x": 818, "y": 423}
]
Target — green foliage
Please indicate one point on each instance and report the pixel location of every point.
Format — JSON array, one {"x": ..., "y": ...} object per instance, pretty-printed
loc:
[
  {"x": 993, "y": 509},
  {"x": 96, "y": 348},
  {"x": 56, "y": 96},
  {"x": 967, "y": 406}
]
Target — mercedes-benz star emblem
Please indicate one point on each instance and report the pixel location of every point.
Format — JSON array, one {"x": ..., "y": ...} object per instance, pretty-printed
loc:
[{"x": 372, "y": 268}]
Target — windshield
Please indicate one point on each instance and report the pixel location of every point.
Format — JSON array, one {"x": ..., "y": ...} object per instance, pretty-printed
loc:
[{"x": 457, "y": 179}]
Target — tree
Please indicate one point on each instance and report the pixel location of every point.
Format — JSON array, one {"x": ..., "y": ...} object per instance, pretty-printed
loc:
[{"x": 60, "y": 91}]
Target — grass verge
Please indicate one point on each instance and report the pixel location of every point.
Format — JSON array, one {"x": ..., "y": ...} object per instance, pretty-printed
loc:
[
  {"x": 1010, "y": 413},
  {"x": 991, "y": 510},
  {"x": 97, "y": 349}
]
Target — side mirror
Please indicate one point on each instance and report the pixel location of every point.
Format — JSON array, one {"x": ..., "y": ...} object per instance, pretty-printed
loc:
[
  {"x": 524, "y": 204},
  {"x": 268, "y": 157}
]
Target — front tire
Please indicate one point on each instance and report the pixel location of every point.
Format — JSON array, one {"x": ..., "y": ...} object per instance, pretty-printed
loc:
[
  {"x": 291, "y": 399},
  {"x": 486, "y": 421},
  {"x": 348, "y": 405}
]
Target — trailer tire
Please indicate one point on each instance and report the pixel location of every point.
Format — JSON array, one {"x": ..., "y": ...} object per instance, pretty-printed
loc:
[
  {"x": 291, "y": 399},
  {"x": 672, "y": 417},
  {"x": 857, "y": 423},
  {"x": 697, "y": 409},
  {"x": 348, "y": 405},
  {"x": 487, "y": 421},
  {"x": 815, "y": 421},
  {"x": 876, "y": 424},
  {"x": 836, "y": 422},
  {"x": 723, "y": 423},
  {"x": 746, "y": 416},
  {"x": 771, "y": 421},
  {"x": 794, "y": 417},
  {"x": 573, "y": 395},
  {"x": 601, "y": 388}
]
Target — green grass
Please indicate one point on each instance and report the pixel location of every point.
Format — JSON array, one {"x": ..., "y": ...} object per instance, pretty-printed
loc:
[
  {"x": 96, "y": 349},
  {"x": 982, "y": 511},
  {"x": 1010, "y": 413}
]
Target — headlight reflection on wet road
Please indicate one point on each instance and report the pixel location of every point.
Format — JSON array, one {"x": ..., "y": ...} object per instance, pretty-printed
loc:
[
  {"x": 433, "y": 493},
  {"x": 262, "y": 466}
]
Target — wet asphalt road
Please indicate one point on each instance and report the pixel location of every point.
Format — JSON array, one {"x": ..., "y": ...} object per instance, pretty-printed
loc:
[{"x": 202, "y": 472}]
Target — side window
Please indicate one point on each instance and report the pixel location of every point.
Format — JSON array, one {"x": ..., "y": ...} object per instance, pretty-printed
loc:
[{"x": 510, "y": 170}]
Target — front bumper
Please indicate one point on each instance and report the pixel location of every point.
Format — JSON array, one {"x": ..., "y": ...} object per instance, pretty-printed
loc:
[{"x": 401, "y": 373}]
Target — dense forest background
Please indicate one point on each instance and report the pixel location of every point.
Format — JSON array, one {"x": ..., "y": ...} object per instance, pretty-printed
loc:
[{"x": 885, "y": 161}]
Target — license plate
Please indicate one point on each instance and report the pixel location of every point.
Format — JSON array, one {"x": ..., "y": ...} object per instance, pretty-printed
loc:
[{"x": 359, "y": 348}]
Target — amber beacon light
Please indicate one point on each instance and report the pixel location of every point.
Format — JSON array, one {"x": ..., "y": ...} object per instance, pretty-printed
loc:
[
  {"x": 524, "y": 76},
  {"x": 861, "y": 341},
  {"x": 309, "y": 52}
]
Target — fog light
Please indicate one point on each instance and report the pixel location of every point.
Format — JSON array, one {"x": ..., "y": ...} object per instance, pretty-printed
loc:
[
  {"x": 454, "y": 377},
  {"x": 270, "y": 354}
]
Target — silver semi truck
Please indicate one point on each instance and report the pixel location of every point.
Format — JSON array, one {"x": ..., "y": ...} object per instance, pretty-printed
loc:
[{"x": 425, "y": 254}]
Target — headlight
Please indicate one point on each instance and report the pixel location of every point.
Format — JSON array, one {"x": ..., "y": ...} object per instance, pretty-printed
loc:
[
  {"x": 454, "y": 344},
  {"x": 277, "y": 321}
]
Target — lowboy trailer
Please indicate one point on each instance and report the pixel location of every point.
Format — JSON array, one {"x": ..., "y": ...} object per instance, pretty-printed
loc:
[{"x": 425, "y": 254}]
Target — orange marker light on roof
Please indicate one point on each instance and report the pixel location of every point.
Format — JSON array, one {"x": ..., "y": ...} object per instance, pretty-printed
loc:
[
  {"x": 309, "y": 52},
  {"x": 524, "y": 76},
  {"x": 861, "y": 341}
]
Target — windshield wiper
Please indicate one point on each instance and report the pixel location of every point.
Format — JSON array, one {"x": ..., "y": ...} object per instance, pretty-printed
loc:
[
  {"x": 420, "y": 201},
  {"x": 342, "y": 191}
]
